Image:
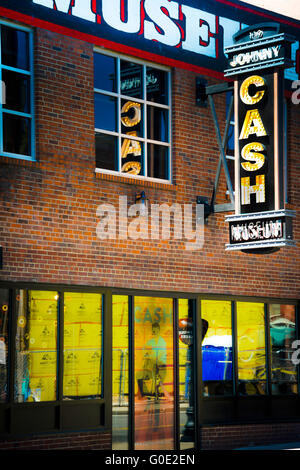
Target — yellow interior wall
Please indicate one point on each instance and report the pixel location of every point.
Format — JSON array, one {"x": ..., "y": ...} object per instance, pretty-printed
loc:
[
  {"x": 251, "y": 341},
  {"x": 82, "y": 344}
]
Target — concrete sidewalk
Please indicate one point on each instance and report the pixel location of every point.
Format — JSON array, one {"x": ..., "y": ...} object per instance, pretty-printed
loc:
[{"x": 284, "y": 446}]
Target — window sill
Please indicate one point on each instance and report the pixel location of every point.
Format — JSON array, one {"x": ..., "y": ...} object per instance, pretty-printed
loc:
[
  {"x": 135, "y": 181},
  {"x": 18, "y": 160}
]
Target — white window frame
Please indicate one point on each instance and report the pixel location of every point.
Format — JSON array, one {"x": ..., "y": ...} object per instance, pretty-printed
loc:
[{"x": 144, "y": 103}]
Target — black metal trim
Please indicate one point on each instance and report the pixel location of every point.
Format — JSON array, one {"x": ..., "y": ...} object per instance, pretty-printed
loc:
[{"x": 131, "y": 419}]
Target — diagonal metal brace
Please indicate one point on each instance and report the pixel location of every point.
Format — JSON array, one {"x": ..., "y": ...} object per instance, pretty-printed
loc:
[{"x": 221, "y": 144}]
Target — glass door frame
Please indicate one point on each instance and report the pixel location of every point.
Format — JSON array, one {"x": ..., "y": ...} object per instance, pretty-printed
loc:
[{"x": 196, "y": 360}]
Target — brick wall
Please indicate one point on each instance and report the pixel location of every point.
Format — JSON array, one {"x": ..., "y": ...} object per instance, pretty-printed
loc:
[
  {"x": 212, "y": 438},
  {"x": 249, "y": 435},
  {"x": 74, "y": 441},
  {"x": 48, "y": 207}
]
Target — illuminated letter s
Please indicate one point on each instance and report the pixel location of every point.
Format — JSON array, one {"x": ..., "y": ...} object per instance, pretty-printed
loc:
[
  {"x": 170, "y": 34},
  {"x": 250, "y": 153}
]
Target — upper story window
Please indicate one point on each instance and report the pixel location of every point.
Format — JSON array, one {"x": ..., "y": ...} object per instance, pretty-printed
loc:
[
  {"x": 230, "y": 140},
  {"x": 16, "y": 106},
  {"x": 132, "y": 117}
]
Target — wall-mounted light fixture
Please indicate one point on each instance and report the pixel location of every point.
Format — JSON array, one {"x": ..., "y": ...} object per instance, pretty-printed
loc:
[
  {"x": 140, "y": 198},
  {"x": 201, "y": 95},
  {"x": 208, "y": 206}
]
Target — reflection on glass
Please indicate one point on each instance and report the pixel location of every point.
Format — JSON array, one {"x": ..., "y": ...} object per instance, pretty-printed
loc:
[
  {"x": 186, "y": 377},
  {"x": 17, "y": 91},
  {"x": 157, "y": 124},
  {"x": 36, "y": 346},
  {"x": 157, "y": 85},
  {"x": 251, "y": 348},
  {"x": 131, "y": 148},
  {"x": 14, "y": 48},
  {"x": 120, "y": 378},
  {"x": 217, "y": 348},
  {"x": 82, "y": 376},
  {"x": 230, "y": 140},
  {"x": 157, "y": 158},
  {"x": 105, "y": 112},
  {"x": 16, "y": 134},
  {"x": 106, "y": 151},
  {"x": 105, "y": 72},
  {"x": 132, "y": 156},
  {"x": 131, "y": 118},
  {"x": 131, "y": 79},
  {"x": 154, "y": 373},
  {"x": 4, "y": 325},
  {"x": 282, "y": 335}
]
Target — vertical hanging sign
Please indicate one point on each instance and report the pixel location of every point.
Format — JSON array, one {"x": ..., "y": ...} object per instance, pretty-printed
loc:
[{"x": 257, "y": 61}]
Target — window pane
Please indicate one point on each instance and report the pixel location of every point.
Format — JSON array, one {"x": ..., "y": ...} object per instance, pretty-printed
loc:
[
  {"x": 158, "y": 161},
  {"x": 230, "y": 141},
  {"x": 15, "y": 48},
  {"x": 4, "y": 325},
  {"x": 157, "y": 124},
  {"x": 105, "y": 72},
  {"x": 154, "y": 373},
  {"x": 157, "y": 85},
  {"x": 36, "y": 346},
  {"x": 105, "y": 112},
  {"x": 186, "y": 373},
  {"x": 120, "y": 433},
  {"x": 132, "y": 157},
  {"x": 251, "y": 348},
  {"x": 131, "y": 79},
  {"x": 132, "y": 118},
  {"x": 106, "y": 152},
  {"x": 217, "y": 348},
  {"x": 17, "y": 88},
  {"x": 283, "y": 334},
  {"x": 82, "y": 376},
  {"x": 16, "y": 134}
]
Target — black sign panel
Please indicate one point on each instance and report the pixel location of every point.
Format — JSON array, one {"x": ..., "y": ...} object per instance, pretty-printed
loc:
[
  {"x": 257, "y": 60},
  {"x": 256, "y": 230},
  {"x": 256, "y": 48},
  {"x": 256, "y": 140},
  {"x": 188, "y": 34}
]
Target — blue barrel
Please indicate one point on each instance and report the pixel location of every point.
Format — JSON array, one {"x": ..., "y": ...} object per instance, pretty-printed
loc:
[{"x": 216, "y": 363}]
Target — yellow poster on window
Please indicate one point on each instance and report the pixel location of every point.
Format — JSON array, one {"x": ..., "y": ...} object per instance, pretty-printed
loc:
[
  {"x": 251, "y": 341},
  {"x": 40, "y": 334},
  {"x": 82, "y": 344}
]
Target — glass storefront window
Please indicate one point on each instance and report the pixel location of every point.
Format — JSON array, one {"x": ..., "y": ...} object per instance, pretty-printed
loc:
[
  {"x": 186, "y": 373},
  {"x": 36, "y": 346},
  {"x": 154, "y": 373},
  {"x": 251, "y": 348},
  {"x": 282, "y": 335},
  {"x": 4, "y": 325},
  {"x": 82, "y": 374},
  {"x": 120, "y": 378},
  {"x": 217, "y": 371}
]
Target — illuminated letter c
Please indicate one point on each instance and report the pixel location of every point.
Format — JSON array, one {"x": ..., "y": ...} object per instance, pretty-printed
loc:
[{"x": 257, "y": 81}]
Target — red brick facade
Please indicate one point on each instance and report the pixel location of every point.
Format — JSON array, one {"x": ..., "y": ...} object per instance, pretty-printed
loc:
[
  {"x": 48, "y": 213},
  {"x": 49, "y": 206},
  {"x": 74, "y": 441}
]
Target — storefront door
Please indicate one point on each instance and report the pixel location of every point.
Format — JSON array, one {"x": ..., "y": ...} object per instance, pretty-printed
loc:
[
  {"x": 152, "y": 373},
  {"x": 154, "y": 393}
]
